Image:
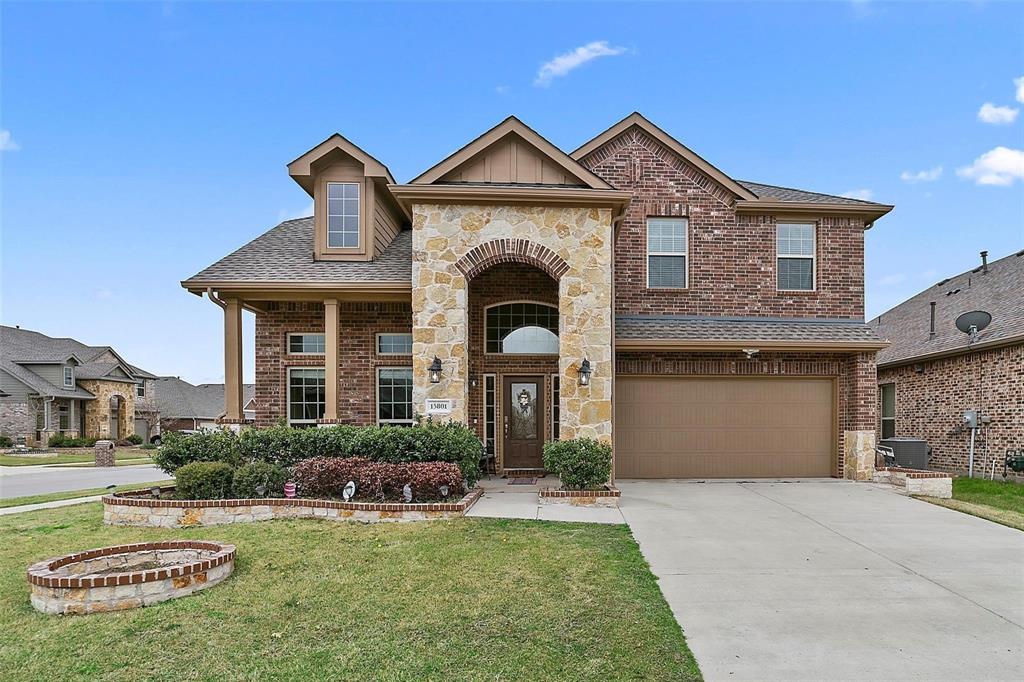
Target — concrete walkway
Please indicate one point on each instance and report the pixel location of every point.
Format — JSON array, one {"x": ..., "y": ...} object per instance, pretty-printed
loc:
[
  {"x": 48, "y": 505},
  {"x": 502, "y": 500},
  {"x": 832, "y": 580}
]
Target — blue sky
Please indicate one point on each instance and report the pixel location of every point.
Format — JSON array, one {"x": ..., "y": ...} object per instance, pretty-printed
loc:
[{"x": 142, "y": 142}]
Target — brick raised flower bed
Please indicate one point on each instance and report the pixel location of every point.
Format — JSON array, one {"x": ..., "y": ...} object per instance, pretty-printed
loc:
[
  {"x": 606, "y": 497},
  {"x": 128, "y": 576},
  {"x": 917, "y": 482},
  {"x": 121, "y": 509}
]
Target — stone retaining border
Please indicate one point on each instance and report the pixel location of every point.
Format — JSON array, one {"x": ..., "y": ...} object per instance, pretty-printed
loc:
[
  {"x": 608, "y": 497},
  {"x": 917, "y": 482},
  {"x": 89, "y": 582},
  {"x": 123, "y": 509}
]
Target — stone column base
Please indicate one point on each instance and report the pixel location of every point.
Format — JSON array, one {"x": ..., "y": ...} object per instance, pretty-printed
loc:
[{"x": 859, "y": 455}]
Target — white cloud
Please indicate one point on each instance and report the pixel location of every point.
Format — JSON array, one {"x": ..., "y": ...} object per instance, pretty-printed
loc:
[
  {"x": 990, "y": 113},
  {"x": 7, "y": 144},
  {"x": 928, "y": 175},
  {"x": 1019, "y": 82},
  {"x": 502, "y": 89},
  {"x": 892, "y": 280},
  {"x": 564, "y": 63},
  {"x": 864, "y": 194},
  {"x": 1000, "y": 166}
]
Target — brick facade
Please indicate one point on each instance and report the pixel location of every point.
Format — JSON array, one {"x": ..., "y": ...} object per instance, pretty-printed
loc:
[
  {"x": 931, "y": 398},
  {"x": 357, "y": 349},
  {"x": 855, "y": 377},
  {"x": 732, "y": 257}
]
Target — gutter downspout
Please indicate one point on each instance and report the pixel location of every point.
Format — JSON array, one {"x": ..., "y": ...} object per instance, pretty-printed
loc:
[{"x": 213, "y": 297}]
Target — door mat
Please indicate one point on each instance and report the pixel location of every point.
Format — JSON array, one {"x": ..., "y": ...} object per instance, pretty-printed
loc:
[{"x": 522, "y": 480}]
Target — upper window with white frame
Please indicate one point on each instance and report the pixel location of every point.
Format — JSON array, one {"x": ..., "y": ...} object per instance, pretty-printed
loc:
[
  {"x": 140, "y": 389},
  {"x": 306, "y": 344},
  {"x": 394, "y": 344},
  {"x": 343, "y": 215},
  {"x": 69, "y": 376},
  {"x": 667, "y": 253},
  {"x": 795, "y": 256}
]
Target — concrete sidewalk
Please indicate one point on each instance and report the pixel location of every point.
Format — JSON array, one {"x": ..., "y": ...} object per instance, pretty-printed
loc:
[
  {"x": 48, "y": 505},
  {"x": 832, "y": 580},
  {"x": 502, "y": 500}
]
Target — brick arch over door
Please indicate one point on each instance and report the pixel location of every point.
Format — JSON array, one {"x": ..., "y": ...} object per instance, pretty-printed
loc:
[{"x": 481, "y": 257}]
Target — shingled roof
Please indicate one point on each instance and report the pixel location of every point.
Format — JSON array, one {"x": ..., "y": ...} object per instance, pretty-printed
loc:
[
  {"x": 801, "y": 195},
  {"x": 178, "y": 399},
  {"x": 285, "y": 254},
  {"x": 1000, "y": 292},
  {"x": 751, "y": 330}
]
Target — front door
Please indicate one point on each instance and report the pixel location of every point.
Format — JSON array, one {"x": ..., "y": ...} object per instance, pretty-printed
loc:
[{"x": 523, "y": 410}]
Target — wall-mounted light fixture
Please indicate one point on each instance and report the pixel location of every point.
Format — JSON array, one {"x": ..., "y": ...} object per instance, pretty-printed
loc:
[
  {"x": 585, "y": 372},
  {"x": 435, "y": 370},
  {"x": 751, "y": 352}
]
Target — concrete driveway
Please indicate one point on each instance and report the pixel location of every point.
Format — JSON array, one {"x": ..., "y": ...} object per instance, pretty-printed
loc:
[{"x": 832, "y": 580}]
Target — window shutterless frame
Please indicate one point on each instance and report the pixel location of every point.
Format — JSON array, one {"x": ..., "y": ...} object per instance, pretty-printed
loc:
[
  {"x": 343, "y": 215},
  {"x": 887, "y": 404},
  {"x": 69, "y": 377},
  {"x": 394, "y": 396},
  {"x": 140, "y": 389},
  {"x": 394, "y": 343},
  {"x": 306, "y": 343},
  {"x": 490, "y": 413},
  {"x": 668, "y": 251},
  {"x": 508, "y": 316},
  {"x": 306, "y": 395},
  {"x": 796, "y": 243}
]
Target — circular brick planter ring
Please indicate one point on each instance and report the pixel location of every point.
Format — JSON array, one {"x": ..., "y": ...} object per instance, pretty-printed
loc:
[
  {"x": 123, "y": 509},
  {"x": 128, "y": 576}
]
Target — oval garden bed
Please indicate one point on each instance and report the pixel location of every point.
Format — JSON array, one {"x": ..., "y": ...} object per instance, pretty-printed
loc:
[
  {"x": 128, "y": 576},
  {"x": 143, "y": 509}
]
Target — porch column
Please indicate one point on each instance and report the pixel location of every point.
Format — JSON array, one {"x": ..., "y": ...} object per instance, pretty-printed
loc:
[
  {"x": 331, "y": 359},
  {"x": 233, "y": 359}
]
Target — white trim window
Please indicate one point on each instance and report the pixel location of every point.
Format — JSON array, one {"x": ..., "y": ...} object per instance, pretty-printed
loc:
[
  {"x": 490, "y": 414},
  {"x": 343, "y": 215},
  {"x": 140, "y": 389},
  {"x": 306, "y": 344},
  {"x": 887, "y": 401},
  {"x": 394, "y": 396},
  {"x": 394, "y": 344},
  {"x": 667, "y": 253},
  {"x": 69, "y": 376},
  {"x": 306, "y": 395},
  {"x": 796, "y": 256}
]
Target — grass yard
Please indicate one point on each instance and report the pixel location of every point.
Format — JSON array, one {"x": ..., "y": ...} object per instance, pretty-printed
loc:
[
  {"x": 469, "y": 599},
  {"x": 71, "y": 494},
  {"x": 998, "y": 501}
]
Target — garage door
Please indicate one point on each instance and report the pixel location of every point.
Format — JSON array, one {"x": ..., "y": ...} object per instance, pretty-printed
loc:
[{"x": 675, "y": 427}]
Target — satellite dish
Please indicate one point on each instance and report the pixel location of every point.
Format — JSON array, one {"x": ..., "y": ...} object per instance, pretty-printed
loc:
[{"x": 973, "y": 322}]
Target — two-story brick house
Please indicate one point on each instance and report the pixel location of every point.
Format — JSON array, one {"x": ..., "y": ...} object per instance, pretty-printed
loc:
[{"x": 629, "y": 291}]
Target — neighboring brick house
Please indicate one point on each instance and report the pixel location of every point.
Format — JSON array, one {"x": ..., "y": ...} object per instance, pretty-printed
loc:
[
  {"x": 54, "y": 386},
  {"x": 189, "y": 407},
  {"x": 932, "y": 372},
  {"x": 629, "y": 291}
]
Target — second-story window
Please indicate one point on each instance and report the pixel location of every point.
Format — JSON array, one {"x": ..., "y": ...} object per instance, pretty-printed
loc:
[
  {"x": 306, "y": 344},
  {"x": 666, "y": 253},
  {"x": 69, "y": 377},
  {"x": 140, "y": 389},
  {"x": 343, "y": 215},
  {"x": 795, "y": 254}
]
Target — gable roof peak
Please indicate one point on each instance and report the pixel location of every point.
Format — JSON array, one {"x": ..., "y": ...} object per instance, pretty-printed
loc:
[{"x": 301, "y": 168}]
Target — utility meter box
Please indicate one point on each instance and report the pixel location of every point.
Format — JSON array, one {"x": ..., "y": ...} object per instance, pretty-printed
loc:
[{"x": 971, "y": 419}]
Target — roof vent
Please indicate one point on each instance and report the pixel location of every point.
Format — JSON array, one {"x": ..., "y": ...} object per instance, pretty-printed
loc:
[
  {"x": 984, "y": 262},
  {"x": 954, "y": 291},
  {"x": 942, "y": 282}
]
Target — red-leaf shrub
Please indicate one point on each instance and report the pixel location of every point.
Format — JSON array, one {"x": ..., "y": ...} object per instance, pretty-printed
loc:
[{"x": 325, "y": 477}]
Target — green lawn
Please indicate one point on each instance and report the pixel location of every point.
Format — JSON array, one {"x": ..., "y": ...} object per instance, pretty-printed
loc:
[
  {"x": 85, "y": 458},
  {"x": 1002, "y": 502},
  {"x": 70, "y": 494},
  {"x": 468, "y": 599}
]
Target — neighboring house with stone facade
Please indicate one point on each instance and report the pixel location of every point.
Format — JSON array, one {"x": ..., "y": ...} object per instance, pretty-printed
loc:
[
  {"x": 190, "y": 407},
  {"x": 932, "y": 372},
  {"x": 627, "y": 291},
  {"x": 61, "y": 386}
]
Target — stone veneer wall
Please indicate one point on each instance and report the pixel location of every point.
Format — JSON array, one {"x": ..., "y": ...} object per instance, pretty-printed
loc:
[
  {"x": 97, "y": 412},
  {"x": 855, "y": 375},
  {"x": 930, "y": 405},
  {"x": 582, "y": 237}
]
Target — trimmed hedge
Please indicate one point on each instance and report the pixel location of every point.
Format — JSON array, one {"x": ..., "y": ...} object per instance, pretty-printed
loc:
[
  {"x": 203, "y": 481},
  {"x": 378, "y": 481},
  {"x": 59, "y": 440},
  {"x": 249, "y": 477},
  {"x": 179, "y": 449},
  {"x": 581, "y": 463}
]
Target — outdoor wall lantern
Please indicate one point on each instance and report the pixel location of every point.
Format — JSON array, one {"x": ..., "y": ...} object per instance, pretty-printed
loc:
[
  {"x": 435, "y": 370},
  {"x": 585, "y": 372}
]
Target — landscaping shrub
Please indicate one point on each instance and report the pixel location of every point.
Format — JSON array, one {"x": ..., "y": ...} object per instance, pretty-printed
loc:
[
  {"x": 6, "y": 442},
  {"x": 427, "y": 441},
  {"x": 203, "y": 481},
  {"x": 59, "y": 440},
  {"x": 581, "y": 463},
  {"x": 180, "y": 449},
  {"x": 326, "y": 477},
  {"x": 249, "y": 477},
  {"x": 134, "y": 439}
]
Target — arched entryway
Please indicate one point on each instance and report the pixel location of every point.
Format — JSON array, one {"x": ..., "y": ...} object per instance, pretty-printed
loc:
[{"x": 513, "y": 362}]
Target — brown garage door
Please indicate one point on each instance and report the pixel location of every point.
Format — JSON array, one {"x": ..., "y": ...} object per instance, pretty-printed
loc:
[{"x": 675, "y": 427}]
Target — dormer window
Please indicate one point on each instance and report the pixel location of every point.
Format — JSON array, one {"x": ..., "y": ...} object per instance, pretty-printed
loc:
[
  {"x": 342, "y": 215},
  {"x": 69, "y": 376}
]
